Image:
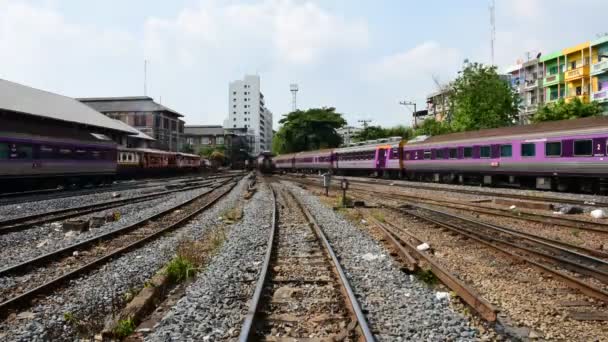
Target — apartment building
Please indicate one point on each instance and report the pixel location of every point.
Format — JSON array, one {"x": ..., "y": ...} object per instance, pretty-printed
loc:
[
  {"x": 438, "y": 104},
  {"x": 599, "y": 71},
  {"x": 247, "y": 109}
]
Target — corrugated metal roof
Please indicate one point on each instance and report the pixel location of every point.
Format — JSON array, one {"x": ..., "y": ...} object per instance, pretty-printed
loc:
[
  {"x": 597, "y": 122},
  {"x": 27, "y": 100},
  {"x": 140, "y": 134},
  {"x": 125, "y": 104},
  {"x": 204, "y": 130}
]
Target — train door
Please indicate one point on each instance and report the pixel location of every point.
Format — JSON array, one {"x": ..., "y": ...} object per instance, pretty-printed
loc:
[{"x": 381, "y": 159}]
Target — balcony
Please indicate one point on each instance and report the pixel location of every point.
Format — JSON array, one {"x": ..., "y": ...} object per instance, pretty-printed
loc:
[
  {"x": 600, "y": 96},
  {"x": 599, "y": 67},
  {"x": 583, "y": 98},
  {"x": 553, "y": 79},
  {"x": 577, "y": 73},
  {"x": 531, "y": 84}
]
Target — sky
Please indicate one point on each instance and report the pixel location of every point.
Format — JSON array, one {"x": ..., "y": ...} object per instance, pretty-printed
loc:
[{"x": 359, "y": 56}]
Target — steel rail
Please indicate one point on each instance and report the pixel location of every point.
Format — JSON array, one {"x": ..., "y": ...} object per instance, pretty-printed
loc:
[
  {"x": 484, "y": 308},
  {"x": 246, "y": 329},
  {"x": 26, "y": 222},
  {"x": 585, "y": 288},
  {"x": 361, "y": 320},
  {"x": 20, "y": 267},
  {"x": 26, "y": 297}
]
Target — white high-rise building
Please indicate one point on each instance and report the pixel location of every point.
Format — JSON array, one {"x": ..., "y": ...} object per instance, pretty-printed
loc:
[{"x": 247, "y": 109}]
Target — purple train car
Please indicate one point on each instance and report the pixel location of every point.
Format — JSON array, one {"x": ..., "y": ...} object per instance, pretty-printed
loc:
[{"x": 559, "y": 155}]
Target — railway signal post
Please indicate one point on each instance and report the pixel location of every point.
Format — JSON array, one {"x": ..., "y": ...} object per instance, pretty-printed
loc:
[{"x": 344, "y": 187}]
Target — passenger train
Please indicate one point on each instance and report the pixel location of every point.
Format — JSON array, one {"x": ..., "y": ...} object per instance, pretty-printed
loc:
[
  {"x": 30, "y": 160},
  {"x": 568, "y": 155}
]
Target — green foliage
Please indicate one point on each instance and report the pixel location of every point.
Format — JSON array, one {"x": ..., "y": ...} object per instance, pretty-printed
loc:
[
  {"x": 217, "y": 157},
  {"x": 205, "y": 152},
  {"x": 562, "y": 110},
  {"x": 180, "y": 269},
  {"x": 433, "y": 127},
  {"x": 187, "y": 148},
  {"x": 481, "y": 99},
  {"x": 427, "y": 276},
  {"x": 124, "y": 328},
  {"x": 308, "y": 130},
  {"x": 70, "y": 318},
  {"x": 377, "y": 132}
]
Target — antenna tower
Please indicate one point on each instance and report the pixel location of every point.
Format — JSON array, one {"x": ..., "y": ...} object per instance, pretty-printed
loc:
[{"x": 294, "y": 94}]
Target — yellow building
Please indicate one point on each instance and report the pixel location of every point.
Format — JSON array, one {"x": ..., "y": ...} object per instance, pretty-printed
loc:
[
  {"x": 576, "y": 75},
  {"x": 599, "y": 71}
]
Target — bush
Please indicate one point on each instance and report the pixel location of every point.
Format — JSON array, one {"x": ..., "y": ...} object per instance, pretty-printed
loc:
[
  {"x": 180, "y": 269},
  {"x": 124, "y": 328}
]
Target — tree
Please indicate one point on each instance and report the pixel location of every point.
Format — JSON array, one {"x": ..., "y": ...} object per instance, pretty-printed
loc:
[
  {"x": 562, "y": 110},
  {"x": 377, "y": 132},
  {"x": 187, "y": 148},
  {"x": 433, "y": 127},
  {"x": 205, "y": 152},
  {"x": 308, "y": 130},
  {"x": 481, "y": 99},
  {"x": 217, "y": 158}
]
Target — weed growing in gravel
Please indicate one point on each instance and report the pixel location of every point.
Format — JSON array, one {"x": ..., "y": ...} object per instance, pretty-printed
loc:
[
  {"x": 575, "y": 232},
  {"x": 180, "y": 269},
  {"x": 124, "y": 328},
  {"x": 232, "y": 215},
  {"x": 427, "y": 276},
  {"x": 347, "y": 200},
  {"x": 70, "y": 318},
  {"x": 379, "y": 216}
]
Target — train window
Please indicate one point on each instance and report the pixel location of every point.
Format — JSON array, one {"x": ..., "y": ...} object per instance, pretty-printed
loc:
[
  {"x": 440, "y": 154},
  {"x": 453, "y": 153},
  {"x": 528, "y": 150},
  {"x": 47, "y": 152},
  {"x": 583, "y": 147},
  {"x": 81, "y": 154},
  {"x": 20, "y": 151},
  {"x": 3, "y": 151},
  {"x": 64, "y": 153},
  {"x": 427, "y": 154},
  {"x": 96, "y": 155},
  {"x": 553, "y": 149},
  {"x": 129, "y": 157},
  {"x": 468, "y": 152},
  {"x": 506, "y": 150},
  {"x": 484, "y": 151}
]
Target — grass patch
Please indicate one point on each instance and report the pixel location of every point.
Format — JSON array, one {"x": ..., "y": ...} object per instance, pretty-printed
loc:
[
  {"x": 427, "y": 276},
  {"x": 347, "y": 201},
  {"x": 124, "y": 328},
  {"x": 232, "y": 215},
  {"x": 193, "y": 254},
  {"x": 70, "y": 318},
  {"x": 378, "y": 215}
]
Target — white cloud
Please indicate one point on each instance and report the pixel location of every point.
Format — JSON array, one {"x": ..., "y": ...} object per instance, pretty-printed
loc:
[
  {"x": 278, "y": 30},
  {"x": 424, "y": 60}
]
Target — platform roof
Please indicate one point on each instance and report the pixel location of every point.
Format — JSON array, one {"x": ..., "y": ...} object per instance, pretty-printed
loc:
[
  {"x": 126, "y": 104},
  {"x": 22, "y": 99}
]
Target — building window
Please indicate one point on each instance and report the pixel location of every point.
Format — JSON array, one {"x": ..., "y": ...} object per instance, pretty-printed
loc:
[
  {"x": 234, "y": 100},
  {"x": 484, "y": 152},
  {"x": 157, "y": 121},
  {"x": 583, "y": 147},
  {"x": 506, "y": 150},
  {"x": 553, "y": 149},
  {"x": 139, "y": 120},
  {"x": 173, "y": 126},
  {"x": 234, "y": 126},
  {"x": 528, "y": 150},
  {"x": 205, "y": 140},
  {"x": 468, "y": 152},
  {"x": 165, "y": 123},
  {"x": 234, "y": 113},
  {"x": 234, "y": 93},
  {"x": 219, "y": 140},
  {"x": 233, "y": 106}
]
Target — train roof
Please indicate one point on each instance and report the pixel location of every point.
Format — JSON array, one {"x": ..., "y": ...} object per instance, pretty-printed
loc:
[
  {"x": 583, "y": 125},
  {"x": 22, "y": 99}
]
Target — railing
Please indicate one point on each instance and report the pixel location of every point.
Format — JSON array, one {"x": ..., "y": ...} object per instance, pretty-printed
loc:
[
  {"x": 600, "y": 96},
  {"x": 582, "y": 97},
  {"x": 553, "y": 79},
  {"x": 599, "y": 67},
  {"x": 577, "y": 73}
]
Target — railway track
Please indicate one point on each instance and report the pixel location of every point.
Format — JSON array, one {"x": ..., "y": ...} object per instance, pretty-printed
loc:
[
  {"x": 46, "y": 272},
  {"x": 546, "y": 199},
  {"x": 27, "y": 222},
  {"x": 57, "y": 193},
  {"x": 302, "y": 292}
]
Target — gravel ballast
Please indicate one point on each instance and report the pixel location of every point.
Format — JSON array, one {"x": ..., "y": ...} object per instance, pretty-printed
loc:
[
  {"x": 215, "y": 304},
  {"x": 399, "y": 307},
  {"x": 89, "y": 298},
  {"x": 49, "y": 237}
]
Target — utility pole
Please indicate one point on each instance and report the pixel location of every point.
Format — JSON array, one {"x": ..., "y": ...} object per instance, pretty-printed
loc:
[
  {"x": 364, "y": 122},
  {"x": 410, "y": 103},
  {"x": 294, "y": 93}
]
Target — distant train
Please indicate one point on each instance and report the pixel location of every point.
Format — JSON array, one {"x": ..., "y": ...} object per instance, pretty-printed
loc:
[
  {"x": 264, "y": 162},
  {"x": 559, "y": 155},
  {"x": 32, "y": 160}
]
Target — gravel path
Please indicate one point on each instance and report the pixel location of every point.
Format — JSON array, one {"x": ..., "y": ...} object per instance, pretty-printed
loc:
[
  {"x": 50, "y": 237},
  {"x": 398, "y": 306},
  {"x": 216, "y": 302},
  {"x": 91, "y": 297}
]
